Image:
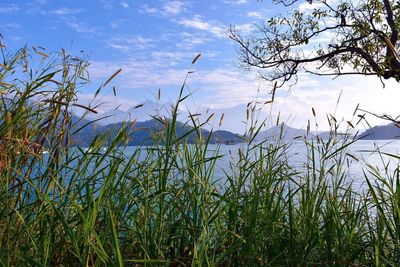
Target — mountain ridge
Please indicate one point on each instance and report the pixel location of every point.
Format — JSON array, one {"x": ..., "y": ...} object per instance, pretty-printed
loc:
[
  {"x": 381, "y": 132},
  {"x": 143, "y": 132}
]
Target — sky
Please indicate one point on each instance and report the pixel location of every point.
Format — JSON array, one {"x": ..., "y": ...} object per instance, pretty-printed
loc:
[{"x": 155, "y": 41}]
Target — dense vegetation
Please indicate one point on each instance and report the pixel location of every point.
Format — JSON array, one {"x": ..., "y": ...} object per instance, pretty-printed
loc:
[{"x": 162, "y": 205}]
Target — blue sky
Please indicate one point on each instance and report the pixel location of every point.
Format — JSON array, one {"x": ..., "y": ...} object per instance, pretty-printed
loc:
[{"x": 154, "y": 42}]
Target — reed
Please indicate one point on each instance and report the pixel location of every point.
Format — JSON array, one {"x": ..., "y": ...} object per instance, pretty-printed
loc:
[{"x": 162, "y": 205}]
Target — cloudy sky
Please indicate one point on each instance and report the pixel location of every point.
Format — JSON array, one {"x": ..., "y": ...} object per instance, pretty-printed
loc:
[{"x": 154, "y": 42}]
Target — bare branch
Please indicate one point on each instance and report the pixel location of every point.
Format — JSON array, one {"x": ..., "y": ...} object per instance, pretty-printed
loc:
[{"x": 364, "y": 38}]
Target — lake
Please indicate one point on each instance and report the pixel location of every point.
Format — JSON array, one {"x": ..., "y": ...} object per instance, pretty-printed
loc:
[{"x": 359, "y": 155}]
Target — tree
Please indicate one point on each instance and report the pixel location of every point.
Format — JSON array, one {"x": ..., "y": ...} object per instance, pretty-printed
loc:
[{"x": 339, "y": 38}]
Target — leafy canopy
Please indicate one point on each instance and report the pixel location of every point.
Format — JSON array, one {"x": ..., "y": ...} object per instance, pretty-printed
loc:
[{"x": 325, "y": 38}]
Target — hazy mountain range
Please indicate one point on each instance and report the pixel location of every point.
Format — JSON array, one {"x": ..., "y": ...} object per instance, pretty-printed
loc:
[
  {"x": 143, "y": 133},
  {"x": 390, "y": 131},
  {"x": 145, "y": 127},
  {"x": 233, "y": 118},
  {"x": 146, "y": 133}
]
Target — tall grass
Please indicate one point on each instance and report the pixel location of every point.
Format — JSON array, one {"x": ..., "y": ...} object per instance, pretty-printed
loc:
[{"x": 162, "y": 205}]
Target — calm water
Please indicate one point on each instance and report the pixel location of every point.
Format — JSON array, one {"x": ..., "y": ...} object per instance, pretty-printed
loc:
[{"x": 366, "y": 152}]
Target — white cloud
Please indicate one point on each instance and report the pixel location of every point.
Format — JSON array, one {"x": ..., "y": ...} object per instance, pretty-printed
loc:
[
  {"x": 211, "y": 88},
  {"x": 104, "y": 103},
  {"x": 191, "y": 40},
  {"x": 8, "y": 8},
  {"x": 139, "y": 75},
  {"x": 172, "y": 57},
  {"x": 124, "y": 5},
  {"x": 306, "y": 6},
  {"x": 227, "y": 87},
  {"x": 324, "y": 38},
  {"x": 130, "y": 43},
  {"x": 173, "y": 7},
  {"x": 107, "y": 4},
  {"x": 149, "y": 10},
  {"x": 80, "y": 27},
  {"x": 15, "y": 38},
  {"x": 170, "y": 8},
  {"x": 219, "y": 87},
  {"x": 11, "y": 26},
  {"x": 66, "y": 11},
  {"x": 322, "y": 94},
  {"x": 114, "y": 24},
  {"x": 254, "y": 14},
  {"x": 119, "y": 47},
  {"x": 236, "y": 2},
  {"x": 153, "y": 69},
  {"x": 245, "y": 28},
  {"x": 198, "y": 23}
]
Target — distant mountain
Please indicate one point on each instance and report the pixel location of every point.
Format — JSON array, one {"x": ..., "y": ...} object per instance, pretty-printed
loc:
[
  {"x": 84, "y": 131},
  {"x": 390, "y": 131},
  {"x": 146, "y": 133},
  {"x": 289, "y": 133},
  {"x": 283, "y": 131},
  {"x": 226, "y": 137},
  {"x": 327, "y": 135},
  {"x": 233, "y": 119}
]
